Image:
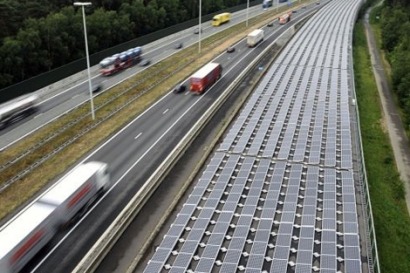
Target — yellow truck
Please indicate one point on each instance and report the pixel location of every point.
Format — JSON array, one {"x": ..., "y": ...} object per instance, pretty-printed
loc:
[{"x": 221, "y": 19}]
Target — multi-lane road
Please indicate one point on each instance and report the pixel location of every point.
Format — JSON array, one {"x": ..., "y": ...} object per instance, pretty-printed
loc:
[
  {"x": 56, "y": 104},
  {"x": 137, "y": 150}
]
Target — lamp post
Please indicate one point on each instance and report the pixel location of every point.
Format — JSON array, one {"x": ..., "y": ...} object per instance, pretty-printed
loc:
[
  {"x": 247, "y": 12},
  {"x": 200, "y": 26},
  {"x": 82, "y": 5}
]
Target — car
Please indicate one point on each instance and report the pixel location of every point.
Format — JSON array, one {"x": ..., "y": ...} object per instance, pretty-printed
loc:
[
  {"x": 294, "y": 11},
  {"x": 270, "y": 24},
  {"x": 317, "y": 2},
  {"x": 107, "y": 62},
  {"x": 145, "y": 62},
  {"x": 97, "y": 88},
  {"x": 230, "y": 49},
  {"x": 179, "y": 88},
  {"x": 196, "y": 31},
  {"x": 179, "y": 46}
]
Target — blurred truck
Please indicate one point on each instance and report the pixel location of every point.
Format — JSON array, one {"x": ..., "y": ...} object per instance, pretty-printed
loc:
[
  {"x": 221, "y": 19},
  {"x": 284, "y": 18},
  {"x": 118, "y": 62},
  {"x": 29, "y": 231},
  {"x": 266, "y": 4},
  {"x": 12, "y": 111},
  {"x": 205, "y": 77},
  {"x": 255, "y": 37}
]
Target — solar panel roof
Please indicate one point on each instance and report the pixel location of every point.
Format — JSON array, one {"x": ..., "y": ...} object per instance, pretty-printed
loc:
[{"x": 278, "y": 195}]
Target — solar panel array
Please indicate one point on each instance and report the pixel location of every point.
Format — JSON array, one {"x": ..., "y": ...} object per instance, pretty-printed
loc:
[{"x": 278, "y": 195}]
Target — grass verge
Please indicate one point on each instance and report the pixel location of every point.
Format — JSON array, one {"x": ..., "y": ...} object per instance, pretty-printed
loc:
[
  {"x": 29, "y": 185},
  {"x": 386, "y": 190}
]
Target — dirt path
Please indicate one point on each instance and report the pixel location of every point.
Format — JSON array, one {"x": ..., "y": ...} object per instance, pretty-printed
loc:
[{"x": 398, "y": 138}]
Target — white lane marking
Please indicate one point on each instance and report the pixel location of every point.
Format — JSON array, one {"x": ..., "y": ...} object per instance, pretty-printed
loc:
[
  {"x": 114, "y": 185},
  {"x": 38, "y": 115},
  {"x": 138, "y": 136},
  {"x": 165, "y": 111},
  {"x": 189, "y": 32},
  {"x": 73, "y": 97},
  {"x": 132, "y": 166}
]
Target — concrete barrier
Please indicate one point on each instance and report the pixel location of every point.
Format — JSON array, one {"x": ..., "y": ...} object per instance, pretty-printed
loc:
[{"x": 97, "y": 253}]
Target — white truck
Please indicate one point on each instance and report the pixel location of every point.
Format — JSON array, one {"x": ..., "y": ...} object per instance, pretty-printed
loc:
[
  {"x": 18, "y": 109},
  {"x": 255, "y": 37},
  {"x": 29, "y": 231}
]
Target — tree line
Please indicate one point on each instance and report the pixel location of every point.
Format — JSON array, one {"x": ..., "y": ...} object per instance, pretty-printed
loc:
[
  {"x": 39, "y": 35},
  {"x": 395, "y": 32}
]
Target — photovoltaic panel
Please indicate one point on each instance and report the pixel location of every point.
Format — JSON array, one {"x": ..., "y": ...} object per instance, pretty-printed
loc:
[{"x": 279, "y": 193}]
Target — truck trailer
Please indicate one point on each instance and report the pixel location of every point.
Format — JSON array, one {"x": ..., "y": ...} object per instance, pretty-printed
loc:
[
  {"x": 284, "y": 18},
  {"x": 221, "y": 19},
  {"x": 118, "y": 62},
  {"x": 255, "y": 37},
  {"x": 30, "y": 230},
  {"x": 18, "y": 109},
  {"x": 205, "y": 77},
  {"x": 266, "y": 4}
]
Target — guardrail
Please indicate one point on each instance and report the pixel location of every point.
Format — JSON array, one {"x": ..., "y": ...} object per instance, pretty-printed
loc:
[
  {"x": 373, "y": 256},
  {"x": 57, "y": 74},
  {"x": 97, "y": 253}
]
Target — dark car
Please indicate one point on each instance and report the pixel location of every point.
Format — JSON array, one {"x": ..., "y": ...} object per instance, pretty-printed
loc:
[
  {"x": 179, "y": 46},
  {"x": 196, "y": 31},
  {"x": 97, "y": 88},
  {"x": 230, "y": 49},
  {"x": 179, "y": 88},
  {"x": 145, "y": 62},
  {"x": 270, "y": 24}
]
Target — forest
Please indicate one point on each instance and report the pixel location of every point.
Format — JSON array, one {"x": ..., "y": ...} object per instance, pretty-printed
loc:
[
  {"x": 395, "y": 34},
  {"x": 37, "y": 36}
]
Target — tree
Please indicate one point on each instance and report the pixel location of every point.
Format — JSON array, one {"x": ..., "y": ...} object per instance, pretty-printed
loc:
[
  {"x": 12, "y": 62},
  {"x": 10, "y": 17},
  {"x": 392, "y": 20}
]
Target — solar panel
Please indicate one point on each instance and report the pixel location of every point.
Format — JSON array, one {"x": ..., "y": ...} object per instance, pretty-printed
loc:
[{"x": 279, "y": 193}]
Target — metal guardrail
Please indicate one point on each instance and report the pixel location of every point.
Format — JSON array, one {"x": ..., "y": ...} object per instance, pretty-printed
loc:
[
  {"x": 94, "y": 257},
  {"x": 373, "y": 260},
  {"x": 47, "y": 78},
  {"x": 72, "y": 123}
]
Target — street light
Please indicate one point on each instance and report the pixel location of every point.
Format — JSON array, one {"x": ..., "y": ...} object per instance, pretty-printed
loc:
[
  {"x": 247, "y": 12},
  {"x": 82, "y": 5},
  {"x": 200, "y": 26}
]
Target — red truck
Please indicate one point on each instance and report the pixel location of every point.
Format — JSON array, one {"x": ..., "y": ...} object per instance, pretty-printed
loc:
[
  {"x": 118, "y": 62},
  {"x": 205, "y": 77}
]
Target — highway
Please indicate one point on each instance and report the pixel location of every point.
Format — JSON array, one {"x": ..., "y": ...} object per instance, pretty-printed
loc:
[
  {"x": 54, "y": 105},
  {"x": 283, "y": 191},
  {"x": 136, "y": 151}
]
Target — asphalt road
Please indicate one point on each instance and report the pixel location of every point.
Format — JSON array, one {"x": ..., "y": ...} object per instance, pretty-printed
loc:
[
  {"x": 135, "y": 152},
  {"x": 54, "y": 105},
  {"x": 397, "y": 134}
]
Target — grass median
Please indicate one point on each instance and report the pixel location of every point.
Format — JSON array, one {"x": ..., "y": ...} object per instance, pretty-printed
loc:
[
  {"x": 386, "y": 190},
  {"x": 179, "y": 66}
]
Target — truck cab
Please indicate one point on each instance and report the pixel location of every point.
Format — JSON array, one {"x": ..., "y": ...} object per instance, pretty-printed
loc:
[{"x": 220, "y": 19}]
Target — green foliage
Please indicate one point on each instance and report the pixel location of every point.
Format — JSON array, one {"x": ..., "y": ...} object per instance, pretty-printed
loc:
[
  {"x": 395, "y": 36},
  {"x": 47, "y": 34},
  {"x": 392, "y": 22},
  {"x": 386, "y": 190}
]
